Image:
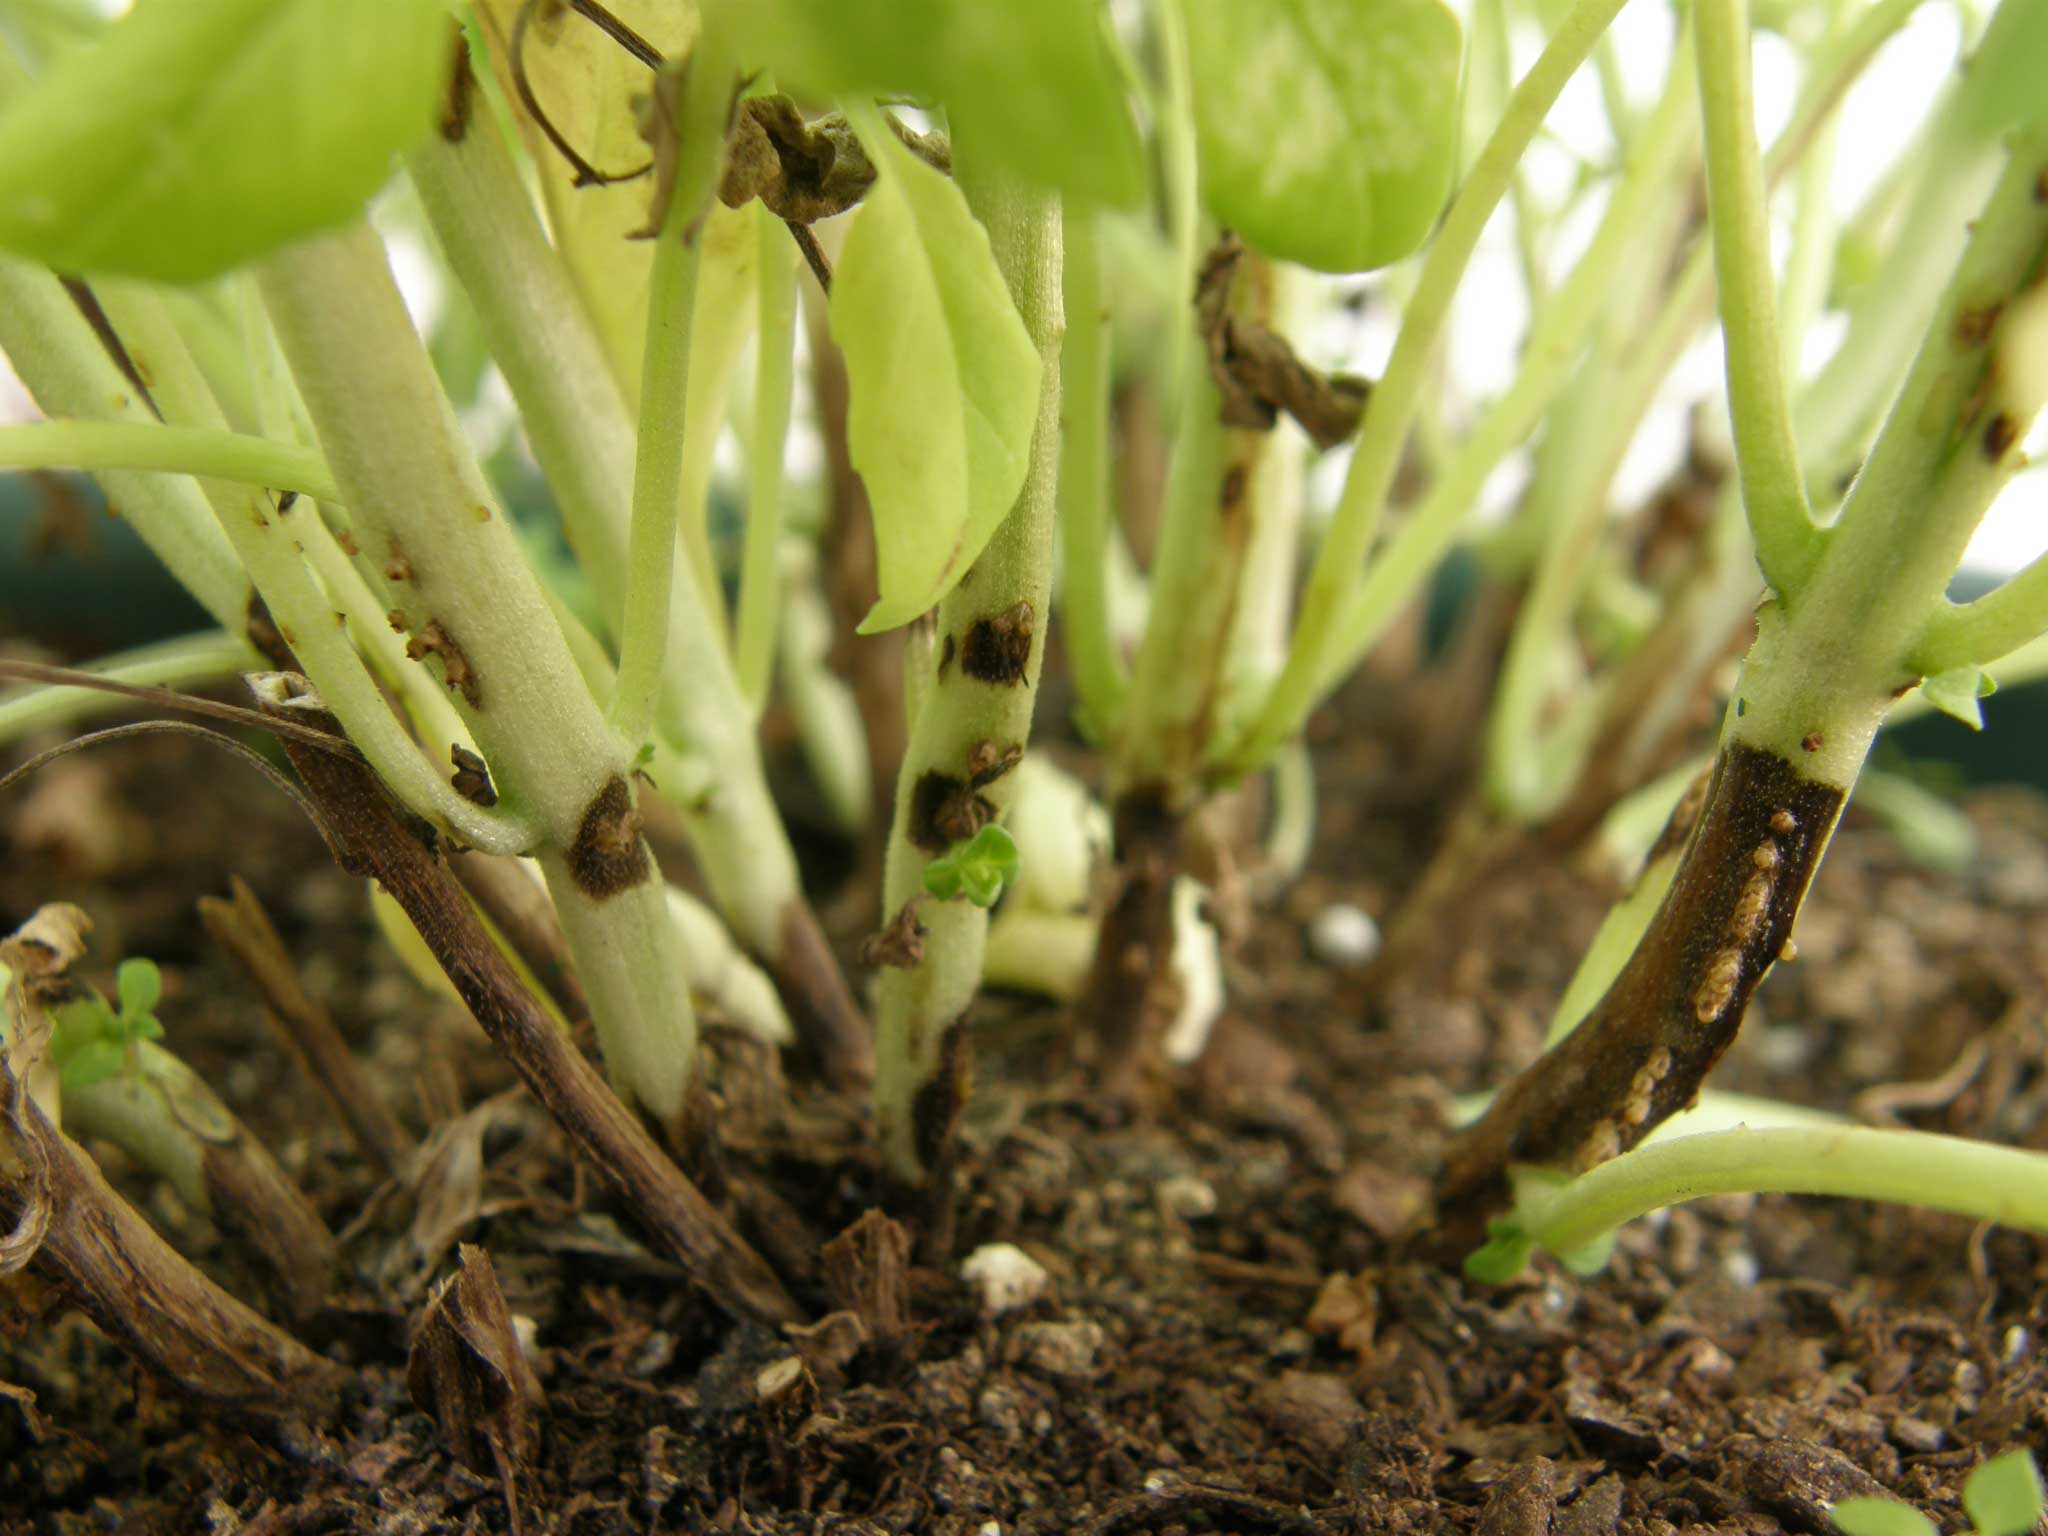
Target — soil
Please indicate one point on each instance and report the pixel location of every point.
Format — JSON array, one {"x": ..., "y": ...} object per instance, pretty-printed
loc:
[{"x": 1224, "y": 1343}]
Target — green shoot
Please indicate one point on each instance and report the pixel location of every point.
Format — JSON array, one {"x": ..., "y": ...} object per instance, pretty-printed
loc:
[
  {"x": 91, "y": 1042},
  {"x": 2003, "y": 1497},
  {"x": 978, "y": 870}
]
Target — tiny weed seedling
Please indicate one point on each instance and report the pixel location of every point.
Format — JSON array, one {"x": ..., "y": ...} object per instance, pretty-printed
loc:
[
  {"x": 2003, "y": 1497},
  {"x": 91, "y": 1042},
  {"x": 1061, "y": 281}
]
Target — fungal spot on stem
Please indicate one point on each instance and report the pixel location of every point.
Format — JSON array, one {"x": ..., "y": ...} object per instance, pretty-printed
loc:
[
  {"x": 608, "y": 855},
  {"x": 472, "y": 779},
  {"x": 935, "y": 1111},
  {"x": 1784, "y": 823},
  {"x": 1750, "y": 908},
  {"x": 900, "y": 943},
  {"x": 1635, "y": 1108},
  {"x": 1975, "y": 325},
  {"x": 396, "y": 619},
  {"x": 946, "y": 655},
  {"x": 1765, "y": 857},
  {"x": 1602, "y": 1143},
  {"x": 989, "y": 762},
  {"x": 455, "y": 102},
  {"x": 397, "y": 568},
  {"x": 456, "y": 672},
  {"x": 945, "y": 810},
  {"x": 1812, "y": 741},
  {"x": 347, "y": 541},
  {"x": 1717, "y": 988},
  {"x": 286, "y": 502},
  {"x": 2000, "y": 433},
  {"x": 1788, "y": 951},
  {"x": 997, "y": 650}
]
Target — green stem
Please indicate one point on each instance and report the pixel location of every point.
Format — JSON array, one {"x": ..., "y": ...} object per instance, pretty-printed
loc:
[
  {"x": 1398, "y": 395},
  {"x": 1774, "y": 491},
  {"x": 104, "y": 445},
  {"x": 1996, "y": 624},
  {"x": 186, "y": 662},
  {"x": 657, "y": 483},
  {"x": 473, "y": 603},
  {"x": 1944, "y": 1173},
  {"x": 767, "y": 441},
  {"x": 965, "y": 721},
  {"x": 1092, "y": 656}
]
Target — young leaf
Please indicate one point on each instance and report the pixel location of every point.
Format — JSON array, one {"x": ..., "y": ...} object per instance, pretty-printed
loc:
[
  {"x": 1504, "y": 1255},
  {"x": 1956, "y": 693},
  {"x": 93, "y": 1062},
  {"x": 197, "y": 134},
  {"x": 1879, "y": 1517},
  {"x": 1032, "y": 86},
  {"x": 1328, "y": 128},
  {"x": 140, "y": 985},
  {"x": 977, "y": 869},
  {"x": 2004, "y": 1497},
  {"x": 942, "y": 380}
]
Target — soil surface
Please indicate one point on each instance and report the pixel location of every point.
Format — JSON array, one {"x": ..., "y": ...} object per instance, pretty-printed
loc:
[{"x": 1222, "y": 1343}]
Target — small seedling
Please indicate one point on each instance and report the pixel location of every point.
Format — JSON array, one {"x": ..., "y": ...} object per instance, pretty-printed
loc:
[
  {"x": 978, "y": 869},
  {"x": 2002, "y": 1498},
  {"x": 91, "y": 1042}
]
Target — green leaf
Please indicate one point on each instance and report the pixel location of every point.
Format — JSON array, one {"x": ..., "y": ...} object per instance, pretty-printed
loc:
[
  {"x": 978, "y": 869},
  {"x": 2004, "y": 1497},
  {"x": 1956, "y": 693},
  {"x": 1504, "y": 1255},
  {"x": 942, "y": 380},
  {"x": 1879, "y": 1517},
  {"x": 144, "y": 1026},
  {"x": 1328, "y": 128},
  {"x": 76, "y": 1024},
  {"x": 1030, "y": 86},
  {"x": 198, "y": 134},
  {"x": 140, "y": 986},
  {"x": 93, "y": 1062}
]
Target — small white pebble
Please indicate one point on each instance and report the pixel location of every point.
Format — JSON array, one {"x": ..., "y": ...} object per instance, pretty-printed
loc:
[
  {"x": 990, "y": 1528},
  {"x": 1741, "y": 1267},
  {"x": 2017, "y": 1342},
  {"x": 1005, "y": 1276},
  {"x": 1186, "y": 1196},
  {"x": 1342, "y": 934},
  {"x": 777, "y": 1378},
  {"x": 527, "y": 1332}
]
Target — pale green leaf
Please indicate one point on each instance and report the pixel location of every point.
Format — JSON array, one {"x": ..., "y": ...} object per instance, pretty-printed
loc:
[
  {"x": 1956, "y": 693},
  {"x": 1879, "y": 1517},
  {"x": 93, "y": 1062},
  {"x": 1328, "y": 128},
  {"x": 140, "y": 986},
  {"x": 978, "y": 869},
  {"x": 1029, "y": 86},
  {"x": 1504, "y": 1255},
  {"x": 2003, "y": 1497},
  {"x": 197, "y": 134},
  {"x": 942, "y": 381}
]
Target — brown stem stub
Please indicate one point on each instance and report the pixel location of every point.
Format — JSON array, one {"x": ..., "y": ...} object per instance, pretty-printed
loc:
[
  {"x": 1645, "y": 1049},
  {"x": 829, "y": 1024},
  {"x": 997, "y": 649},
  {"x": 1129, "y": 996},
  {"x": 608, "y": 855}
]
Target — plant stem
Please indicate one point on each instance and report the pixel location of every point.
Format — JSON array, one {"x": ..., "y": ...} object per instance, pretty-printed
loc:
[
  {"x": 582, "y": 434},
  {"x": 189, "y": 661},
  {"x": 1092, "y": 657},
  {"x": 657, "y": 481},
  {"x": 105, "y": 445},
  {"x": 473, "y": 603},
  {"x": 2007, "y": 1185},
  {"x": 1774, "y": 491},
  {"x": 966, "y": 726},
  {"x": 767, "y": 441},
  {"x": 1398, "y": 395},
  {"x": 56, "y": 355}
]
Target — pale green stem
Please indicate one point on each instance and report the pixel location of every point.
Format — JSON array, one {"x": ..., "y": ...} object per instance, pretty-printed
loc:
[
  {"x": 767, "y": 441},
  {"x": 1944, "y": 1173},
  {"x": 187, "y": 662},
  {"x": 1773, "y": 490},
  {"x": 103, "y": 445},
  {"x": 1092, "y": 657},
  {"x": 269, "y": 545},
  {"x": 657, "y": 484},
  {"x": 959, "y": 718},
  {"x": 570, "y": 404},
  {"x": 1554, "y": 345},
  {"x": 829, "y": 724},
  {"x": 1810, "y": 261},
  {"x": 391, "y": 438},
  {"x": 1398, "y": 394},
  {"x": 1182, "y": 168},
  {"x": 64, "y": 367}
]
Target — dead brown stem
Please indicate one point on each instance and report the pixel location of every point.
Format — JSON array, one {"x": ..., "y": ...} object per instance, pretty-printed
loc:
[
  {"x": 376, "y": 841},
  {"x": 519, "y": 909},
  {"x": 242, "y": 928}
]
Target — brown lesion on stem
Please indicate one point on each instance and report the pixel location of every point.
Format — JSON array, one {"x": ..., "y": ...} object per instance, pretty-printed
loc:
[
  {"x": 373, "y": 840},
  {"x": 997, "y": 647},
  {"x": 433, "y": 640},
  {"x": 1130, "y": 995},
  {"x": 1256, "y": 370},
  {"x": 609, "y": 855},
  {"x": 1646, "y": 1048},
  {"x": 935, "y": 1136},
  {"x": 804, "y": 171}
]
